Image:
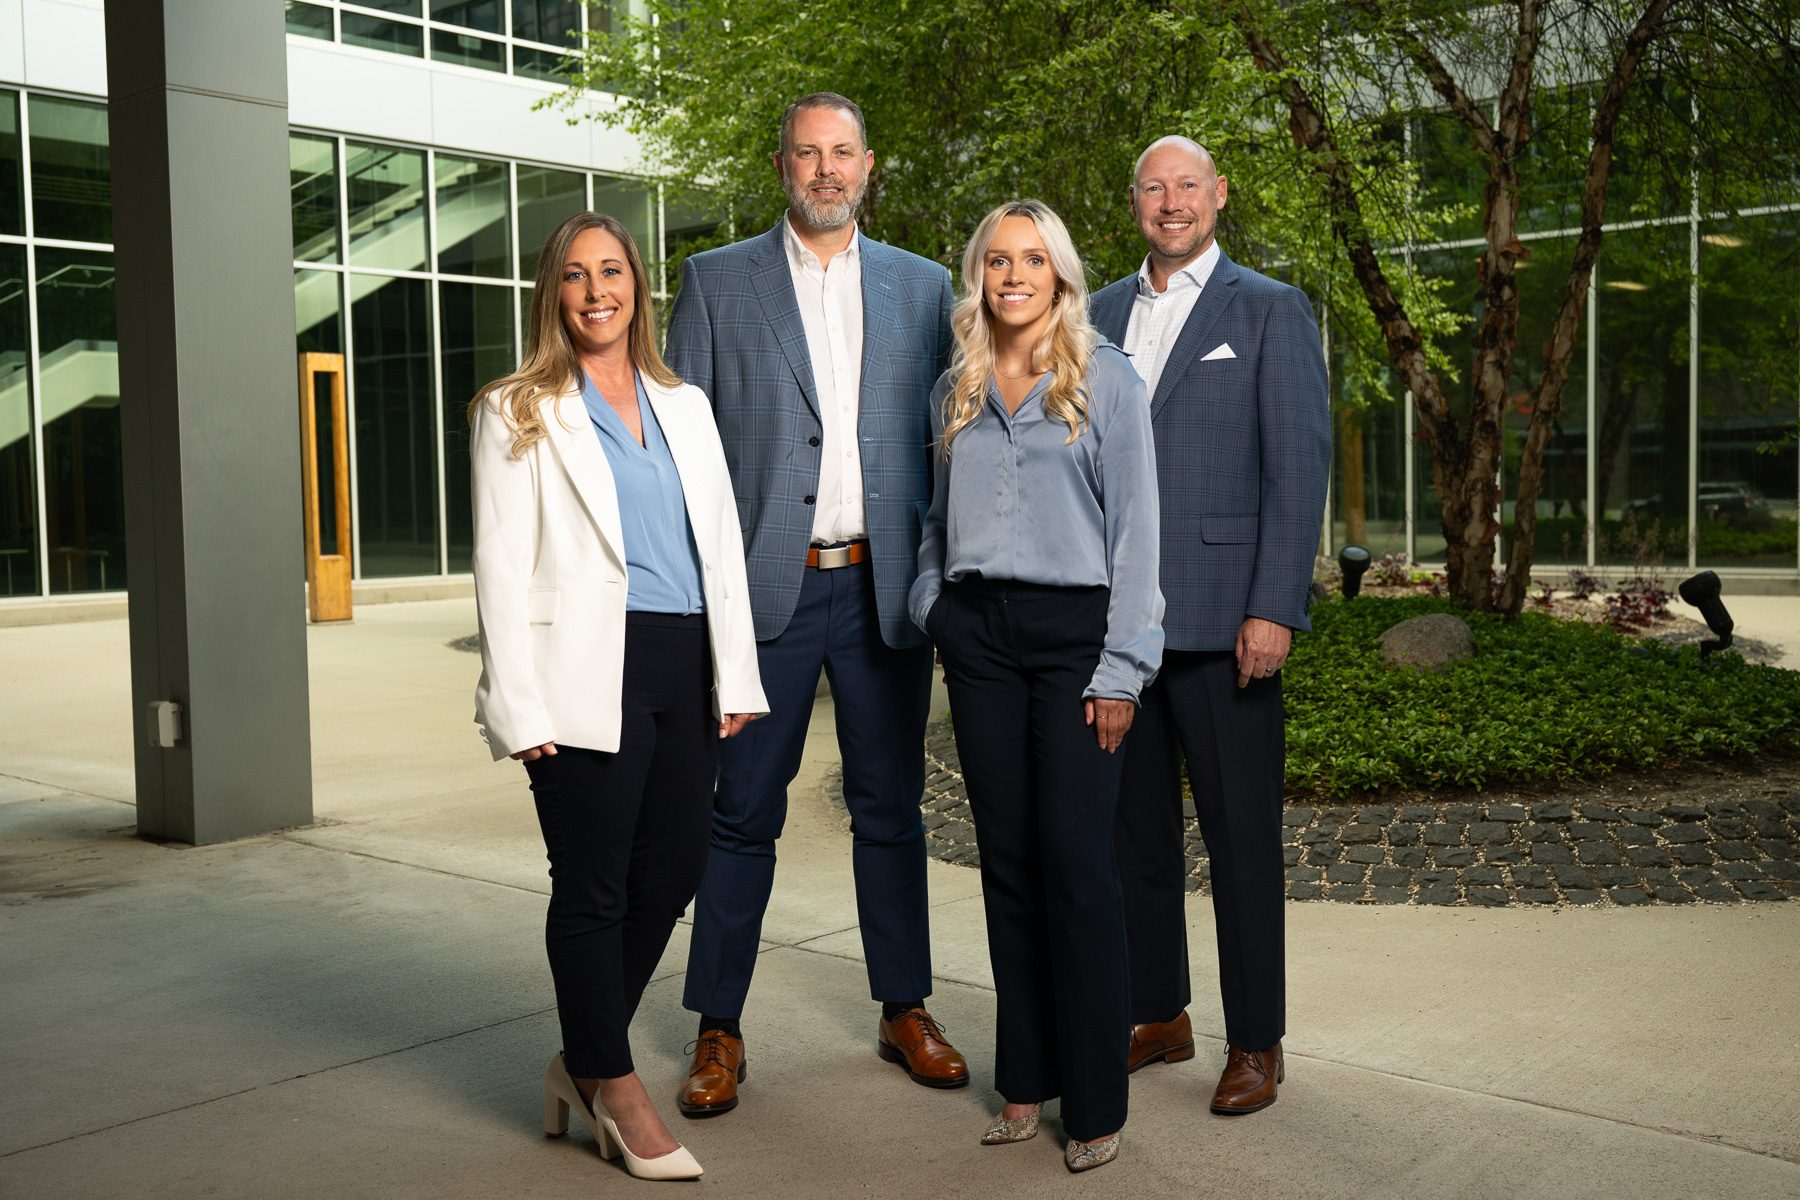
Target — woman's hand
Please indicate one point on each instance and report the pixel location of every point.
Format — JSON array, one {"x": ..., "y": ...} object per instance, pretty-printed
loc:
[
  {"x": 734, "y": 723},
  {"x": 532, "y": 754},
  {"x": 1110, "y": 719}
]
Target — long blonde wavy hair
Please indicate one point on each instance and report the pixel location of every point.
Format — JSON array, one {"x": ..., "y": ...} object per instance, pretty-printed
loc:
[
  {"x": 550, "y": 367},
  {"x": 1064, "y": 349}
]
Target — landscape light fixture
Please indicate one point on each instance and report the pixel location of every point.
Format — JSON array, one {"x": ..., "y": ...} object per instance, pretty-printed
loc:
[
  {"x": 1702, "y": 591},
  {"x": 1353, "y": 561}
]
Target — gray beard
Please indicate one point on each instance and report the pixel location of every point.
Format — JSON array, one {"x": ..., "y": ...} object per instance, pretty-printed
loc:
[{"x": 825, "y": 217}]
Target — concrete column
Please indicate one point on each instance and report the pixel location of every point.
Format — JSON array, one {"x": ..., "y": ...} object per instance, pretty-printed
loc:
[{"x": 208, "y": 413}]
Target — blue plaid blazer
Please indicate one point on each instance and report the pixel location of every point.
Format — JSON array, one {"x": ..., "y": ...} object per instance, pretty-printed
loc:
[
  {"x": 736, "y": 335},
  {"x": 1243, "y": 451}
]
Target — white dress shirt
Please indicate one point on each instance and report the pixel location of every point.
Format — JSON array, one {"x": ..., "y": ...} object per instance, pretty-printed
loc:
[
  {"x": 1157, "y": 318},
  {"x": 831, "y": 310}
]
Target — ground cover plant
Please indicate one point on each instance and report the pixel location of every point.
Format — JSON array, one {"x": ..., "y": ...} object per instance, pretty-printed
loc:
[{"x": 1541, "y": 702}]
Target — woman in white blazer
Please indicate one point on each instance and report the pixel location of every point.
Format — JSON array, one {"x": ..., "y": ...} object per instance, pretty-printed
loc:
[{"x": 617, "y": 648}]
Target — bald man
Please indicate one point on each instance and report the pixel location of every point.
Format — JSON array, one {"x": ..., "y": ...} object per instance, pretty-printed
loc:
[{"x": 1237, "y": 387}]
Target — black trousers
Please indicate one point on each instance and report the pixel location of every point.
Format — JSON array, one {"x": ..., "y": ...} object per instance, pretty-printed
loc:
[
  {"x": 626, "y": 835},
  {"x": 1017, "y": 658},
  {"x": 1233, "y": 740}
]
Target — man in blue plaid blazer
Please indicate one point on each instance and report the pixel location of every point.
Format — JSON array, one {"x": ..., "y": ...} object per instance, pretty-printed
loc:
[
  {"x": 1238, "y": 402},
  {"x": 819, "y": 348}
]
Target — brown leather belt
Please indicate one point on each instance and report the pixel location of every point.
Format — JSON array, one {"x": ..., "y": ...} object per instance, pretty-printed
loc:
[{"x": 828, "y": 558}]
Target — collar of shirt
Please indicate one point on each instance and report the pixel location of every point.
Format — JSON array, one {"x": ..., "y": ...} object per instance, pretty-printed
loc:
[
  {"x": 1194, "y": 275},
  {"x": 801, "y": 258}
]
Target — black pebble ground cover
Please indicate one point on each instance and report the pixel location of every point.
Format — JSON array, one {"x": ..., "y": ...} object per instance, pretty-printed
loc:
[{"x": 1542, "y": 701}]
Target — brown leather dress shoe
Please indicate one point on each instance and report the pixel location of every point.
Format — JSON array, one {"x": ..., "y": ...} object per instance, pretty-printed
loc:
[
  {"x": 1248, "y": 1082},
  {"x": 917, "y": 1042},
  {"x": 711, "y": 1086},
  {"x": 1161, "y": 1041}
]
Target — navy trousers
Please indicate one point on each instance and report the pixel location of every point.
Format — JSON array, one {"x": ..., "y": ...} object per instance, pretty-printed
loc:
[
  {"x": 1233, "y": 740},
  {"x": 626, "y": 836},
  {"x": 882, "y": 697},
  {"x": 1017, "y": 657}
]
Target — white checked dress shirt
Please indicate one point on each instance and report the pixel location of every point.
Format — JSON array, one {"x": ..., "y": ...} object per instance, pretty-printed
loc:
[
  {"x": 1157, "y": 317},
  {"x": 831, "y": 310}
]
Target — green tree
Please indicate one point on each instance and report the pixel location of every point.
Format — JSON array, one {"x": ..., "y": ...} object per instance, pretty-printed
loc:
[
  {"x": 1686, "y": 96},
  {"x": 1309, "y": 106}
]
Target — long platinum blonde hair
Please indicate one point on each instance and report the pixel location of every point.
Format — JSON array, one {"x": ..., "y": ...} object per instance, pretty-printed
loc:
[
  {"x": 1064, "y": 348},
  {"x": 550, "y": 367}
]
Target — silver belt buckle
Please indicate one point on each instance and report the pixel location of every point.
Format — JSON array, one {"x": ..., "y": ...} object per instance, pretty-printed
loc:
[{"x": 832, "y": 557}]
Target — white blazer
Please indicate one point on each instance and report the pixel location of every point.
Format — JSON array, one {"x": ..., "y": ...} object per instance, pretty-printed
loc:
[{"x": 550, "y": 572}]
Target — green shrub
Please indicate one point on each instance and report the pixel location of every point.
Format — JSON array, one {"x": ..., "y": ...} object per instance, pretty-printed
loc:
[{"x": 1541, "y": 701}]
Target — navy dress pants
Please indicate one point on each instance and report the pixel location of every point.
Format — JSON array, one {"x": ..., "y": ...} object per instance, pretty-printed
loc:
[
  {"x": 1233, "y": 740},
  {"x": 1017, "y": 658},
  {"x": 881, "y": 696},
  {"x": 626, "y": 836}
]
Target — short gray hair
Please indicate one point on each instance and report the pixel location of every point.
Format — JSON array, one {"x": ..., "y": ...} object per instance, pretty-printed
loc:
[{"x": 821, "y": 100}]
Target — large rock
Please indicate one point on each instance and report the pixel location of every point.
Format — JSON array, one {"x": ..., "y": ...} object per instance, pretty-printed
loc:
[{"x": 1428, "y": 643}]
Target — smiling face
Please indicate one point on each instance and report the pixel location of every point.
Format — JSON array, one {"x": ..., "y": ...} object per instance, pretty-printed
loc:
[
  {"x": 824, "y": 168},
  {"x": 596, "y": 296},
  {"x": 1017, "y": 280},
  {"x": 1176, "y": 197}
]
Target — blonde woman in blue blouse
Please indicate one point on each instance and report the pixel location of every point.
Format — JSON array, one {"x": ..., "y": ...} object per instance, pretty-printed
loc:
[{"x": 1038, "y": 582}]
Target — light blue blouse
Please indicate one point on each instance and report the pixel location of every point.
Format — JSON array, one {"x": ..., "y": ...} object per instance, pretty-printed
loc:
[
  {"x": 1018, "y": 501},
  {"x": 662, "y": 563}
]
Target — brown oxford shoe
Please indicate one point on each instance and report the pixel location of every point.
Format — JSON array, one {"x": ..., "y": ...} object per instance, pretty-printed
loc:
[
  {"x": 1248, "y": 1082},
  {"x": 1161, "y": 1041},
  {"x": 917, "y": 1042},
  {"x": 711, "y": 1086}
]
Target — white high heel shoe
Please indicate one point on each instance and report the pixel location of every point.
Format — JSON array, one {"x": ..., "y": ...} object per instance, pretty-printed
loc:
[{"x": 561, "y": 1094}]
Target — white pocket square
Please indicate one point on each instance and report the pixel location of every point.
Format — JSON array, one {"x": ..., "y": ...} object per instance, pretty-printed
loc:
[{"x": 1222, "y": 350}]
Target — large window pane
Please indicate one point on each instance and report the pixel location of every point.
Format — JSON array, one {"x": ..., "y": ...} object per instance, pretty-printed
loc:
[
  {"x": 312, "y": 174},
  {"x": 79, "y": 370},
  {"x": 1368, "y": 485},
  {"x": 71, "y": 173},
  {"x": 1641, "y": 398},
  {"x": 1749, "y": 379},
  {"x": 318, "y": 311},
  {"x": 1562, "y": 497},
  {"x": 548, "y": 21},
  {"x": 18, "y": 494},
  {"x": 1457, "y": 268},
  {"x": 474, "y": 236},
  {"x": 377, "y": 34},
  {"x": 1450, "y": 171},
  {"x": 308, "y": 20},
  {"x": 483, "y": 15},
  {"x": 396, "y": 437},
  {"x": 547, "y": 198},
  {"x": 408, "y": 8},
  {"x": 467, "y": 50},
  {"x": 387, "y": 206},
  {"x": 478, "y": 349},
  {"x": 635, "y": 206},
  {"x": 12, "y": 166}
]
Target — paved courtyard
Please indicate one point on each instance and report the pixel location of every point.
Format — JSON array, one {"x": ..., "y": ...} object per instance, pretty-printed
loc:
[{"x": 361, "y": 1007}]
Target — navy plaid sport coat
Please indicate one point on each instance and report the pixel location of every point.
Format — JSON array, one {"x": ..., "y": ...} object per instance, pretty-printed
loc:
[
  {"x": 1243, "y": 451},
  {"x": 736, "y": 334}
]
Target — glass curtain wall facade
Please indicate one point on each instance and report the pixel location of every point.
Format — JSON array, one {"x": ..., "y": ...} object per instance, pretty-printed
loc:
[
  {"x": 413, "y": 263},
  {"x": 528, "y": 38},
  {"x": 1683, "y": 397}
]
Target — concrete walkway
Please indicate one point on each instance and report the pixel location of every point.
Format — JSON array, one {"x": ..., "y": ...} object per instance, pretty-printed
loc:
[{"x": 361, "y": 1008}]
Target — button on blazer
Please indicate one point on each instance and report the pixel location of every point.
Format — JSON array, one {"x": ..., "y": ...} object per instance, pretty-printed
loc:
[{"x": 550, "y": 575}]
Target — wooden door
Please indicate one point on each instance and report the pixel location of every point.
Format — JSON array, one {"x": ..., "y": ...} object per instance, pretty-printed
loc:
[{"x": 325, "y": 486}]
